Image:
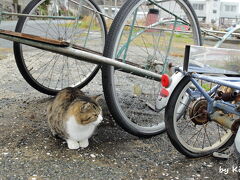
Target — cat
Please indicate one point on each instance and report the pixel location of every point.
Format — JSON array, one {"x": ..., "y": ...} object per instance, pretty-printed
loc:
[{"x": 73, "y": 116}]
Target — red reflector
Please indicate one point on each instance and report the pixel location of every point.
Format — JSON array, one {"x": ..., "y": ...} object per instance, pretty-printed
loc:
[
  {"x": 165, "y": 80},
  {"x": 164, "y": 92}
]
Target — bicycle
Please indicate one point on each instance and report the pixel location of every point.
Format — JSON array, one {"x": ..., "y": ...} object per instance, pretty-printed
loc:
[
  {"x": 144, "y": 39},
  {"x": 202, "y": 114},
  {"x": 78, "y": 22}
]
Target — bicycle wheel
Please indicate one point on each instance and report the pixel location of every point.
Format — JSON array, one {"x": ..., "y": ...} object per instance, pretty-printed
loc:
[
  {"x": 150, "y": 34},
  {"x": 50, "y": 72},
  {"x": 189, "y": 127}
]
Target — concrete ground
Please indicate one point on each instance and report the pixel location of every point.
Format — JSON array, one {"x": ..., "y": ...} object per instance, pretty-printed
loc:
[{"x": 29, "y": 151}]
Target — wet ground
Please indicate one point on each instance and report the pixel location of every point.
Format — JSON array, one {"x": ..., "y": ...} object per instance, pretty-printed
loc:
[{"x": 28, "y": 150}]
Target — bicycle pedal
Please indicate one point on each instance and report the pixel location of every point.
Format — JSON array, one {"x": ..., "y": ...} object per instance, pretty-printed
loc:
[{"x": 221, "y": 155}]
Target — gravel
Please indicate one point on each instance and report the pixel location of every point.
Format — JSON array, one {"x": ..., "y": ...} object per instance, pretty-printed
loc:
[{"x": 29, "y": 151}]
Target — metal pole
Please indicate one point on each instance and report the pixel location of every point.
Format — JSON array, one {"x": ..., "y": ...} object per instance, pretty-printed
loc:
[{"x": 85, "y": 56}]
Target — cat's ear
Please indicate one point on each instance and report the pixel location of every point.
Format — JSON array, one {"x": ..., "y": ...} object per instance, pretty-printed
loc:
[
  {"x": 97, "y": 98},
  {"x": 86, "y": 107}
]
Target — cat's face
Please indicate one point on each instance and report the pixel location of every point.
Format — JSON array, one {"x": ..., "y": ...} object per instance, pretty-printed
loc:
[
  {"x": 86, "y": 112},
  {"x": 90, "y": 112}
]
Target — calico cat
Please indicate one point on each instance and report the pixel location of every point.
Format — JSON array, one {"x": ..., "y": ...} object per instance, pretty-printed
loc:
[{"x": 73, "y": 116}]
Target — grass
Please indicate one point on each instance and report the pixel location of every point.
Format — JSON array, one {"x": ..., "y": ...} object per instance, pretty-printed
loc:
[
  {"x": 148, "y": 40},
  {"x": 84, "y": 24},
  {"x": 207, "y": 87},
  {"x": 2, "y": 57}
]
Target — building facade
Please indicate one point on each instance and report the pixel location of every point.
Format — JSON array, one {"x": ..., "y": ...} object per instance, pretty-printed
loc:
[{"x": 217, "y": 12}]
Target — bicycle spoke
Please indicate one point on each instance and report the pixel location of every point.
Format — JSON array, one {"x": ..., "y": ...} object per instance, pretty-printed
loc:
[
  {"x": 205, "y": 130},
  {"x": 194, "y": 134}
]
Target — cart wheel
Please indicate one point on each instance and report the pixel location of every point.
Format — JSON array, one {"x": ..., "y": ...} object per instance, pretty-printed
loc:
[
  {"x": 150, "y": 34},
  {"x": 49, "y": 72},
  {"x": 189, "y": 128}
]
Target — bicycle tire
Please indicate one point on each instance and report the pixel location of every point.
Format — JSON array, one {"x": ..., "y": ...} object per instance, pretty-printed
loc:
[
  {"x": 108, "y": 72},
  {"x": 26, "y": 71},
  {"x": 181, "y": 143}
]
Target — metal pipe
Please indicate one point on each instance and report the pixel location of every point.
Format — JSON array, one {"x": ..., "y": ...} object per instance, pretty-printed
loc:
[
  {"x": 85, "y": 56},
  {"x": 216, "y": 80},
  {"x": 50, "y": 17},
  {"x": 220, "y": 32},
  {"x": 39, "y": 16}
]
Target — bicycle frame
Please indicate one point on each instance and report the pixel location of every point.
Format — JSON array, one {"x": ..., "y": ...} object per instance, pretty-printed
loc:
[
  {"x": 215, "y": 105},
  {"x": 176, "y": 20},
  {"x": 216, "y": 108}
]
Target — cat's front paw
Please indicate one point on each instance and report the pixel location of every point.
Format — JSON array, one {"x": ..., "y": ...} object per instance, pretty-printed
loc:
[
  {"x": 72, "y": 144},
  {"x": 84, "y": 143}
]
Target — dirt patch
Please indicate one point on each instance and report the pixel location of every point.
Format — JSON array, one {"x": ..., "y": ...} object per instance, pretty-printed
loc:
[
  {"x": 2, "y": 57},
  {"x": 4, "y": 53}
]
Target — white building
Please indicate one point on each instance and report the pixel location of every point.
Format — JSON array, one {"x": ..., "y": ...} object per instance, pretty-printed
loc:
[{"x": 217, "y": 12}]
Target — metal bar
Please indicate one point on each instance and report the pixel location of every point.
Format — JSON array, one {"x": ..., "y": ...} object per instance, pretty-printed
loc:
[
  {"x": 186, "y": 58},
  {"x": 228, "y": 34},
  {"x": 203, "y": 92},
  {"x": 230, "y": 108},
  {"x": 169, "y": 46},
  {"x": 84, "y": 56},
  {"x": 217, "y": 81},
  {"x": 154, "y": 28},
  {"x": 219, "y": 32},
  {"x": 40, "y": 16},
  {"x": 204, "y": 32},
  {"x": 130, "y": 35},
  {"x": 56, "y": 17}
]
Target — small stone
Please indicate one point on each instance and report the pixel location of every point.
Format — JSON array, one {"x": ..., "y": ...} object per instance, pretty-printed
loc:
[
  {"x": 92, "y": 155},
  {"x": 32, "y": 116}
]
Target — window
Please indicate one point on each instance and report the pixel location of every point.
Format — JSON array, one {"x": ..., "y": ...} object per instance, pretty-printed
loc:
[
  {"x": 230, "y": 8},
  {"x": 214, "y": 11},
  {"x": 198, "y": 6}
]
